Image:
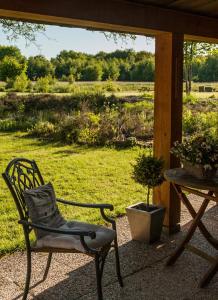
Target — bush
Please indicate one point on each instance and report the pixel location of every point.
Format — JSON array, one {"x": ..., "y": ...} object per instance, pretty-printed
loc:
[
  {"x": 108, "y": 132},
  {"x": 43, "y": 130},
  {"x": 14, "y": 124},
  {"x": 21, "y": 83},
  {"x": 88, "y": 136},
  {"x": 43, "y": 84},
  {"x": 110, "y": 86},
  {"x": 189, "y": 99},
  {"x": 63, "y": 88},
  {"x": 69, "y": 128},
  {"x": 196, "y": 123},
  {"x": 8, "y": 125},
  {"x": 2, "y": 87}
]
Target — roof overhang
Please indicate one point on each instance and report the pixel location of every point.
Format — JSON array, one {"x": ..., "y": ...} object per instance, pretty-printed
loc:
[{"x": 112, "y": 15}]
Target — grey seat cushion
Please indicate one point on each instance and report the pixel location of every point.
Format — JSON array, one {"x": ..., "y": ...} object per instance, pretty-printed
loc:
[
  {"x": 43, "y": 210},
  {"x": 104, "y": 236}
]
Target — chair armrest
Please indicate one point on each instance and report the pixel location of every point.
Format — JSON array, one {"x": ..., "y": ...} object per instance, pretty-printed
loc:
[
  {"x": 83, "y": 233},
  {"x": 101, "y": 207},
  {"x": 87, "y": 205}
]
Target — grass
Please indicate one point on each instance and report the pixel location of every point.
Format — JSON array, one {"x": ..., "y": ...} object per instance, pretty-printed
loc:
[
  {"x": 78, "y": 173},
  {"x": 131, "y": 88}
]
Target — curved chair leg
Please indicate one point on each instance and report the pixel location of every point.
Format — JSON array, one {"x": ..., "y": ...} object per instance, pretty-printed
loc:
[
  {"x": 28, "y": 275},
  {"x": 47, "y": 266},
  {"x": 99, "y": 266},
  {"x": 98, "y": 277},
  {"x": 119, "y": 276}
]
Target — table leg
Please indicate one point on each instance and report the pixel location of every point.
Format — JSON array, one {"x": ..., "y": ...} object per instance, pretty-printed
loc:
[
  {"x": 203, "y": 229},
  {"x": 209, "y": 275},
  {"x": 192, "y": 228}
]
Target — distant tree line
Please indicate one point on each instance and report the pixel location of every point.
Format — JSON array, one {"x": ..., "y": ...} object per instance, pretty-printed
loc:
[{"x": 121, "y": 65}]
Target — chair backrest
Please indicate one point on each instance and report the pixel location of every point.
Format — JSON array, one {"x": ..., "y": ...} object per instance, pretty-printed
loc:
[{"x": 22, "y": 174}]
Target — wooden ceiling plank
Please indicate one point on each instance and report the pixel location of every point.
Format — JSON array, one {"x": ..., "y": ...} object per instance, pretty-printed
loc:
[
  {"x": 205, "y": 7},
  {"x": 187, "y": 4},
  {"x": 110, "y": 14}
]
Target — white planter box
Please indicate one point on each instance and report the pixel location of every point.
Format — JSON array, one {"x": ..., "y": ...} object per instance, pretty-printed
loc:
[{"x": 145, "y": 225}]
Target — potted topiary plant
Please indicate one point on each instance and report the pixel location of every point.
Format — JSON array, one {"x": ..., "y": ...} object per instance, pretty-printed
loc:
[{"x": 145, "y": 219}]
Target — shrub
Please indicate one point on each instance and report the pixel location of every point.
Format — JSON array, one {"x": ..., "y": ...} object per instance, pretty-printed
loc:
[
  {"x": 107, "y": 132},
  {"x": 68, "y": 129},
  {"x": 110, "y": 86},
  {"x": 14, "y": 124},
  {"x": 2, "y": 87},
  {"x": 43, "y": 130},
  {"x": 43, "y": 84},
  {"x": 88, "y": 136},
  {"x": 8, "y": 125},
  {"x": 189, "y": 99},
  {"x": 128, "y": 143},
  {"x": 195, "y": 123},
  {"x": 63, "y": 88},
  {"x": 9, "y": 84},
  {"x": 191, "y": 123},
  {"x": 21, "y": 83}
]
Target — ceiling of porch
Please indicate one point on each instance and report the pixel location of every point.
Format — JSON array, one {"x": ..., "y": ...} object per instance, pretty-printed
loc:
[{"x": 203, "y": 7}]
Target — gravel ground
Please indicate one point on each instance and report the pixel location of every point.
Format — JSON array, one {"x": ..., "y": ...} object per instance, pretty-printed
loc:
[{"x": 72, "y": 276}]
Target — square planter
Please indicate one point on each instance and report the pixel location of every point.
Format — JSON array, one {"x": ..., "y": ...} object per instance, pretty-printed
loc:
[{"x": 145, "y": 225}]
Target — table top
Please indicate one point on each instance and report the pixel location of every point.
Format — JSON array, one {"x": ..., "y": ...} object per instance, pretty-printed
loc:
[{"x": 181, "y": 177}]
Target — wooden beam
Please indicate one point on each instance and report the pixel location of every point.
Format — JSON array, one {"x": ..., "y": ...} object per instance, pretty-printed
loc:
[
  {"x": 111, "y": 15},
  {"x": 168, "y": 117}
]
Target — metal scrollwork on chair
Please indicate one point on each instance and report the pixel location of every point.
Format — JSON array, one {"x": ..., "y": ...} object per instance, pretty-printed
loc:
[{"x": 22, "y": 174}]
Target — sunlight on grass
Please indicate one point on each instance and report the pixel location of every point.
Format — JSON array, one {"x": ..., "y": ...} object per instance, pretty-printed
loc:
[{"x": 78, "y": 173}]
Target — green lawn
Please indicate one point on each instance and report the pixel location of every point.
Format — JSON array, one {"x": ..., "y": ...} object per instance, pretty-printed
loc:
[{"x": 78, "y": 173}]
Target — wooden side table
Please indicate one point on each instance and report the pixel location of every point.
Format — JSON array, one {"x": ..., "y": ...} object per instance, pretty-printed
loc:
[{"x": 208, "y": 190}]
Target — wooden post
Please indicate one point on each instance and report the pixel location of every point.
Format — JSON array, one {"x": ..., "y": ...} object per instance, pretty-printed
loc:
[{"x": 168, "y": 117}]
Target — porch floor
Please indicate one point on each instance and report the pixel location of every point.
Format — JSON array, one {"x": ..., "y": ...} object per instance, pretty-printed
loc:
[{"x": 143, "y": 268}]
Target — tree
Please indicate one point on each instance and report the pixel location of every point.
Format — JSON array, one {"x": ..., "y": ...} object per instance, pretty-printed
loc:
[
  {"x": 92, "y": 72},
  {"x": 209, "y": 70},
  {"x": 16, "y": 29},
  {"x": 38, "y": 66},
  {"x": 125, "y": 68},
  {"x": 11, "y": 51},
  {"x": 143, "y": 71},
  {"x": 191, "y": 51},
  {"x": 111, "y": 70},
  {"x": 10, "y": 68}
]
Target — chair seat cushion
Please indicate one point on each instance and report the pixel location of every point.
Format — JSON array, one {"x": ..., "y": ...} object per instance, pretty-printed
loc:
[{"x": 104, "y": 236}]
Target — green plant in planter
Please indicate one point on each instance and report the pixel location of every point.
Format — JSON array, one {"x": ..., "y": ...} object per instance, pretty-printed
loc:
[
  {"x": 148, "y": 171},
  {"x": 198, "y": 150}
]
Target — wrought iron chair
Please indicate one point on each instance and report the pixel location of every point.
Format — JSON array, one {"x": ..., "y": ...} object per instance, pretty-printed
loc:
[{"x": 23, "y": 175}]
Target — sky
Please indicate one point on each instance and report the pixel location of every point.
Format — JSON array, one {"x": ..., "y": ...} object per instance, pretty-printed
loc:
[{"x": 61, "y": 38}]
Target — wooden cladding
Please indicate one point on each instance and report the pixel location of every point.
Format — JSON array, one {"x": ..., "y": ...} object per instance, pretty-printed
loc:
[
  {"x": 111, "y": 15},
  {"x": 203, "y": 7}
]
